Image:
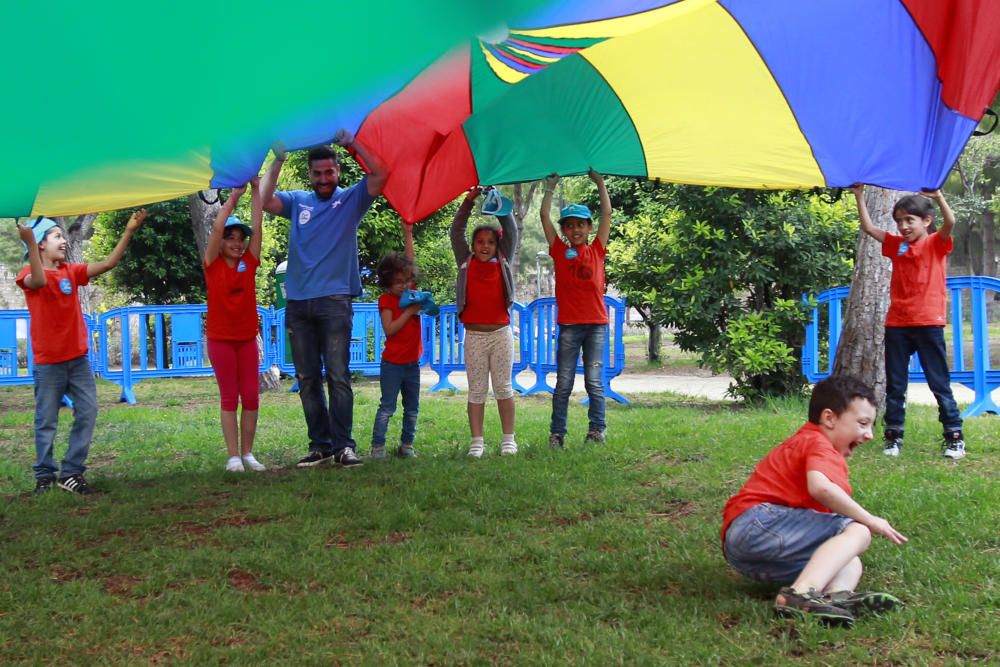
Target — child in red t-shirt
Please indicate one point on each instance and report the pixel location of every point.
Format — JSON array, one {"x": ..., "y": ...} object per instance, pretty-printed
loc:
[
  {"x": 484, "y": 292},
  {"x": 794, "y": 520},
  {"x": 399, "y": 371},
  {"x": 916, "y": 318},
  {"x": 582, "y": 315},
  {"x": 59, "y": 342},
  {"x": 230, "y": 266}
]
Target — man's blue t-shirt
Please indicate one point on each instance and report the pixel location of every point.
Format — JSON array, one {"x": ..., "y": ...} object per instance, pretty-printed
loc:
[{"x": 323, "y": 241}]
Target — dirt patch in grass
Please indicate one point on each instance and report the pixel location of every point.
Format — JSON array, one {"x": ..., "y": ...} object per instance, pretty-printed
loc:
[
  {"x": 583, "y": 517},
  {"x": 244, "y": 580},
  {"x": 340, "y": 541},
  {"x": 676, "y": 509},
  {"x": 61, "y": 574},
  {"x": 121, "y": 585}
]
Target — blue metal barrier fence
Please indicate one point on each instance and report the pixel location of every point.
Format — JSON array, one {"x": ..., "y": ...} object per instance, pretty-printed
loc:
[{"x": 981, "y": 377}]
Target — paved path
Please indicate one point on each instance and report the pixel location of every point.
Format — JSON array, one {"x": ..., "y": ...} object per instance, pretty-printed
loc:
[{"x": 711, "y": 387}]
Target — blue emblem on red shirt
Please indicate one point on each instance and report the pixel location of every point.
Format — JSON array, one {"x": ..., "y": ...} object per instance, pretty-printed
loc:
[
  {"x": 65, "y": 286},
  {"x": 903, "y": 247}
]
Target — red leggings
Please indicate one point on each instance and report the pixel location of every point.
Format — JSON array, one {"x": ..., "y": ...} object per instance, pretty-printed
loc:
[{"x": 235, "y": 365}]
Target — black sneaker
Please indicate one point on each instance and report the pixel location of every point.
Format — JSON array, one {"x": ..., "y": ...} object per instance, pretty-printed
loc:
[
  {"x": 347, "y": 458},
  {"x": 76, "y": 484},
  {"x": 43, "y": 485},
  {"x": 314, "y": 458},
  {"x": 812, "y": 604},
  {"x": 863, "y": 602}
]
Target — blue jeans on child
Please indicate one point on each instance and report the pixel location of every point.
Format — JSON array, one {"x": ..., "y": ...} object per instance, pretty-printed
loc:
[
  {"x": 771, "y": 542},
  {"x": 73, "y": 378},
  {"x": 320, "y": 333},
  {"x": 928, "y": 343},
  {"x": 572, "y": 337},
  {"x": 396, "y": 378}
]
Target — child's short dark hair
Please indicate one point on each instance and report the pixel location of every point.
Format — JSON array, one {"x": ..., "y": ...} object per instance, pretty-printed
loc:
[
  {"x": 836, "y": 393},
  {"x": 391, "y": 264},
  {"x": 322, "y": 153}
]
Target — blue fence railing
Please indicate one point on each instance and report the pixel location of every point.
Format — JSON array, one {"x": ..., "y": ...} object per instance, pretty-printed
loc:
[
  {"x": 979, "y": 376},
  {"x": 169, "y": 341}
]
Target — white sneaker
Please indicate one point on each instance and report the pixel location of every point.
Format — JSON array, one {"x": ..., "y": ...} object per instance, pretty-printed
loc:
[
  {"x": 250, "y": 461},
  {"x": 891, "y": 449},
  {"x": 508, "y": 448},
  {"x": 476, "y": 450},
  {"x": 955, "y": 450},
  {"x": 234, "y": 464}
]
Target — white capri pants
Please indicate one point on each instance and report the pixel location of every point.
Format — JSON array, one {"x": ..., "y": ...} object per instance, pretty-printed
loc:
[{"x": 489, "y": 354}]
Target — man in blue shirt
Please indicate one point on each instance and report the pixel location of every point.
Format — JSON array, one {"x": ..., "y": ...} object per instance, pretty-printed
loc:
[{"x": 320, "y": 283}]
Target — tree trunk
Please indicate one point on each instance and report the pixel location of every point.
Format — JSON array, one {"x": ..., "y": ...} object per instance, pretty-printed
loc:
[
  {"x": 522, "y": 204},
  {"x": 654, "y": 343},
  {"x": 203, "y": 216},
  {"x": 79, "y": 228},
  {"x": 862, "y": 342}
]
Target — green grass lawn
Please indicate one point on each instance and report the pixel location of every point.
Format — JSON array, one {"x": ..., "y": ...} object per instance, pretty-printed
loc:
[{"x": 597, "y": 556}]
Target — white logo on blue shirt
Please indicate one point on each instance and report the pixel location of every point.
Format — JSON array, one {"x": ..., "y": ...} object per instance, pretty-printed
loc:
[
  {"x": 241, "y": 267},
  {"x": 903, "y": 247},
  {"x": 305, "y": 215},
  {"x": 336, "y": 204},
  {"x": 65, "y": 286}
]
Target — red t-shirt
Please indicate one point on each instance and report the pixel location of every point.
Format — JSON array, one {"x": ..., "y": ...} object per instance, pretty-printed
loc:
[
  {"x": 406, "y": 346},
  {"x": 58, "y": 332},
  {"x": 917, "y": 291},
  {"x": 232, "y": 299},
  {"x": 780, "y": 477},
  {"x": 580, "y": 282},
  {"x": 485, "y": 302}
]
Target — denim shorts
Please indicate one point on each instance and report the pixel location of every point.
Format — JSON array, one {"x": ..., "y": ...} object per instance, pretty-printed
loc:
[{"x": 773, "y": 543}]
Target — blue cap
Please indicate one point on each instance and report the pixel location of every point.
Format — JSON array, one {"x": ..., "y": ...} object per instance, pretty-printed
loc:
[
  {"x": 574, "y": 211},
  {"x": 40, "y": 227},
  {"x": 233, "y": 221},
  {"x": 496, "y": 204}
]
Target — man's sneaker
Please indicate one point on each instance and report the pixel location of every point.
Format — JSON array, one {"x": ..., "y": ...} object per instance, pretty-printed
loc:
[
  {"x": 314, "y": 458},
  {"x": 476, "y": 450},
  {"x": 43, "y": 485},
  {"x": 954, "y": 446},
  {"x": 556, "y": 440},
  {"x": 596, "y": 437},
  {"x": 863, "y": 602},
  {"x": 76, "y": 484},
  {"x": 508, "y": 448},
  {"x": 347, "y": 458},
  {"x": 378, "y": 454},
  {"x": 811, "y": 604},
  {"x": 234, "y": 464},
  {"x": 893, "y": 443},
  {"x": 250, "y": 461},
  {"x": 406, "y": 452}
]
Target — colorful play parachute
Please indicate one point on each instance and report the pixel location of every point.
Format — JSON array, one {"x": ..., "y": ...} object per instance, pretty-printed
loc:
[{"x": 746, "y": 93}]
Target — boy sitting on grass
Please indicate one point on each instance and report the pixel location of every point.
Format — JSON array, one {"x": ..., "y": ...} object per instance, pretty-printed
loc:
[{"x": 794, "y": 520}]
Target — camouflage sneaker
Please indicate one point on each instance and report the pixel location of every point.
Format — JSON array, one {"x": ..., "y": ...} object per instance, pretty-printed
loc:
[
  {"x": 812, "y": 604},
  {"x": 378, "y": 454},
  {"x": 863, "y": 602},
  {"x": 556, "y": 441},
  {"x": 594, "y": 437},
  {"x": 406, "y": 452}
]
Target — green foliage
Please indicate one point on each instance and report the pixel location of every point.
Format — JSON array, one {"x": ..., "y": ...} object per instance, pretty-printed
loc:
[
  {"x": 161, "y": 264},
  {"x": 11, "y": 250},
  {"x": 727, "y": 269}
]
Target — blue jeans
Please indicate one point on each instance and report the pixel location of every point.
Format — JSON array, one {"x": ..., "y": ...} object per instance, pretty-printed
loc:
[
  {"x": 394, "y": 378},
  {"x": 572, "y": 338},
  {"x": 771, "y": 542},
  {"x": 52, "y": 381},
  {"x": 928, "y": 343},
  {"x": 320, "y": 333}
]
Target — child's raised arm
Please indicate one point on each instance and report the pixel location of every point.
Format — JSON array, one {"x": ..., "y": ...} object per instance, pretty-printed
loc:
[
  {"x": 256, "y": 218},
  {"x": 408, "y": 241},
  {"x": 947, "y": 215},
  {"x": 548, "y": 188},
  {"x": 219, "y": 228},
  {"x": 866, "y": 221},
  {"x": 604, "y": 228},
  {"x": 111, "y": 261},
  {"x": 459, "y": 244},
  {"x": 36, "y": 278}
]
